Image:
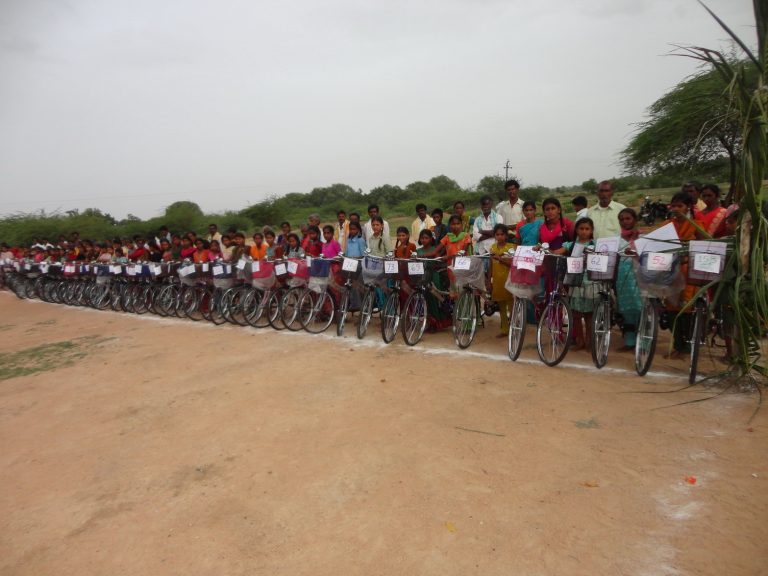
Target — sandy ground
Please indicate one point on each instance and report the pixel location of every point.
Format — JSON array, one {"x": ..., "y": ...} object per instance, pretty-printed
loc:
[{"x": 150, "y": 446}]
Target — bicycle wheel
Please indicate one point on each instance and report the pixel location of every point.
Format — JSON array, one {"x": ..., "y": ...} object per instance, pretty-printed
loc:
[
  {"x": 214, "y": 307},
  {"x": 699, "y": 322},
  {"x": 290, "y": 309},
  {"x": 601, "y": 331},
  {"x": 465, "y": 319},
  {"x": 342, "y": 312},
  {"x": 414, "y": 318},
  {"x": 366, "y": 311},
  {"x": 390, "y": 317},
  {"x": 517, "y": 325},
  {"x": 554, "y": 332},
  {"x": 647, "y": 332},
  {"x": 189, "y": 303},
  {"x": 274, "y": 310},
  {"x": 255, "y": 308},
  {"x": 316, "y": 311}
]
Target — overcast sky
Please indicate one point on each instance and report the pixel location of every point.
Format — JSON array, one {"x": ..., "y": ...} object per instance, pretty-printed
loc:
[{"x": 131, "y": 105}]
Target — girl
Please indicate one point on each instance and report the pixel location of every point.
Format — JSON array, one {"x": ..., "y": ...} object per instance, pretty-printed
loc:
[
  {"x": 680, "y": 216},
  {"x": 712, "y": 217},
  {"x": 214, "y": 251},
  {"x": 438, "y": 317},
  {"x": 460, "y": 210},
  {"x": 331, "y": 248},
  {"x": 201, "y": 251},
  {"x": 527, "y": 231},
  {"x": 555, "y": 230},
  {"x": 312, "y": 244},
  {"x": 378, "y": 244},
  {"x": 499, "y": 273},
  {"x": 456, "y": 240},
  {"x": 404, "y": 247},
  {"x": 274, "y": 250},
  {"x": 630, "y": 303},
  {"x": 581, "y": 297},
  {"x": 258, "y": 249},
  {"x": 187, "y": 250},
  {"x": 355, "y": 241},
  {"x": 293, "y": 246}
]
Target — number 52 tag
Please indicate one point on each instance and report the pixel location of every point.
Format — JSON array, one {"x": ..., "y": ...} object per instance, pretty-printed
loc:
[{"x": 659, "y": 262}]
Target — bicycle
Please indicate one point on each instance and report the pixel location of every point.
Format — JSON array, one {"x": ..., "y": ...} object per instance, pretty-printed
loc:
[
  {"x": 469, "y": 275},
  {"x": 350, "y": 271},
  {"x": 373, "y": 278},
  {"x": 553, "y": 334},
  {"x": 414, "y": 316},
  {"x": 390, "y": 313},
  {"x": 317, "y": 306},
  {"x": 525, "y": 284},
  {"x": 601, "y": 270}
]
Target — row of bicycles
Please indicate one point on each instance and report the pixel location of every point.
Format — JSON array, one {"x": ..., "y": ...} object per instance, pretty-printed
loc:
[{"x": 311, "y": 294}]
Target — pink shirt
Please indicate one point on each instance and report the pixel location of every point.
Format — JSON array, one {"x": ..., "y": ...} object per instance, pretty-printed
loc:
[{"x": 331, "y": 249}]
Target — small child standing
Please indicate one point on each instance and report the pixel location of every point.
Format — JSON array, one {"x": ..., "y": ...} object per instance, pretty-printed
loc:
[
  {"x": 581, "y": 297},
  {"x": 499, "y": 273},
  {"x": 331, "y": 248}
]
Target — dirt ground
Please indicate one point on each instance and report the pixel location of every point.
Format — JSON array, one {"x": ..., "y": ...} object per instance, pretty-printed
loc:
[{"x": 137, "y": 445}]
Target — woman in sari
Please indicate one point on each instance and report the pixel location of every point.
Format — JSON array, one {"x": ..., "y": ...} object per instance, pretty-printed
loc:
[{"x": 712, "y": 217}]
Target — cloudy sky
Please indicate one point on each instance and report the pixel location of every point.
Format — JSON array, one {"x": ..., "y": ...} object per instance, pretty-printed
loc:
[{"x": 129, "y": 106}]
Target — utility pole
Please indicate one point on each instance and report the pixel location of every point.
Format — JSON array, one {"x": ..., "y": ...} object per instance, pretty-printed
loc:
[{"x": 507, "y": 166}]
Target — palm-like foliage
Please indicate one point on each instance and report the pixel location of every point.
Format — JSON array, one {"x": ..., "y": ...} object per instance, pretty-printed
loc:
[{"x": 745, "y": 285}]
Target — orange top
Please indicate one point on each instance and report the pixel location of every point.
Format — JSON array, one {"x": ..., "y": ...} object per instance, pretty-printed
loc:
[{"x": 259, "y": 252}]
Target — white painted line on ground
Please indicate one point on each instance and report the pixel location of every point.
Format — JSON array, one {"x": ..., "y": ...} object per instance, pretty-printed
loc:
[{"x": 377, "y": 343}]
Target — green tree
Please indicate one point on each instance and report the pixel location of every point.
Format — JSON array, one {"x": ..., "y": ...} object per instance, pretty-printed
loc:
[
  {"x": 492, "y": 186},
  {"x": 693, "y": 123},
  {"x": 589, "y": 185},
  {"x": 184, "y": 216}
]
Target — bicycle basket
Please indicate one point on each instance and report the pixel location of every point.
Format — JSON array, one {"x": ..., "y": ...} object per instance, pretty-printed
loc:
[
  {"x": 610, "y": 271},
  {"x": 418, "y": 272},
  {"x": 222, "y": 271},
  {"x": 320, "y": 268},
  {"x": 351, "y": 268},
  {"x": 297, "y": 268},
  {"x": 262, "y": 269},
  {"x": 394, "y": 270},
  {"x": 373, "y": 270},
  {"x": 474, "y": 276},
  {"x": 659, "y": 283},
  {"x": 706, "y": 261}
]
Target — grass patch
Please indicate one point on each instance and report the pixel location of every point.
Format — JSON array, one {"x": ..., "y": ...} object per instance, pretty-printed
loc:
[{"x": 44, "y": 358}]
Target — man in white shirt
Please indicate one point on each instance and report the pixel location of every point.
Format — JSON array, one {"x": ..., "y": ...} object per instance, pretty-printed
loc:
[
  {"x": 423, "y": 221},
  {"x": 482, "y": 229},
  {"x": 373, "y": 210},
  {"x": 213, "y": 233},
  {"x": 341, "y": 229},
  {"x": 511, "y": 210},
  {"x": 605, "y": 214}
]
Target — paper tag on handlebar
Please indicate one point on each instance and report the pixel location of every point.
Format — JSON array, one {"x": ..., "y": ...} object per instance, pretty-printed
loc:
[
  {"x": 205, "y": 266},
  {"x": 241, "y": 264},
  {"x": 659, "y": 262},
  {"x": 309, "y": 261},
  {"x": 707, "y": 263},
  {"x": 293, "y": 267},
  {"x": 280, "y": 269},
  {"x": 462, "y": 263},
  {"x": 390, "y": 267},
  {"x": 349, "y": 265},
  {"x": 255, "y": 266},
  {"x": 130, "y": 270},
  {"x": 187, "y": 270},
  {"x": 157, "y": 270},
  {"x": 415, "y": 268},
  {"x": 575, "y": 265},
  {"x": 44, "y": 268},
  {"x": 218, "y": 270},
  {"x": 597, "y": 262}
]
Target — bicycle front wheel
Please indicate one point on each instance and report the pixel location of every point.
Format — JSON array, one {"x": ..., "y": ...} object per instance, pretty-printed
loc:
[
  {"x": 517, "y": 325},
  {"x": 366, "y": 311},
  {"x": 390, "y": 317},
  {"x": 414, "y": 318},
  {"x": 316, "y": 311},
  {"x": 342, "y": 312},
  {"x": 289, "y": 309},
  {"x": 554, "y": 332},
  {"x": 699, "y": 321},
  {"x": 601, "y": 332},
  {"x": 465, "y": 320},
  {"x": 647, "y": 332}
]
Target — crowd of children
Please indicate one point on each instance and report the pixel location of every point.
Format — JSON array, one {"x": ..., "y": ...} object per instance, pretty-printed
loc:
[{"x": 494, "y": 231}]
